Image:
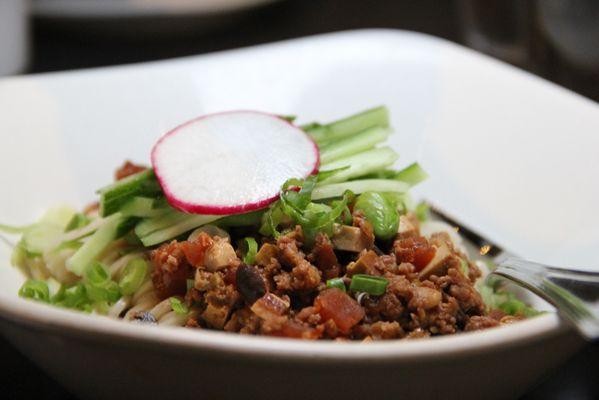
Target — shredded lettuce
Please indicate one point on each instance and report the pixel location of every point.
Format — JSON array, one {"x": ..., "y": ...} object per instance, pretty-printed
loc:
[
  {"x": 497, "y": 297},
  {"x": 250, "y": 249},
  {"x": 312, "y": 217}
]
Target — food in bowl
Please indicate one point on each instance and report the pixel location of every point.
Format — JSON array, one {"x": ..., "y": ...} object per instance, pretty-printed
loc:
[{"x": 249, "y": 223}]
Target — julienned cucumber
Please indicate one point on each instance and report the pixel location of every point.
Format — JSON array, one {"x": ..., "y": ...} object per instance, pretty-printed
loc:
[
  {"x": 190, "y": 222},
  {"x": 97, "y": 243},
  {"x": 142, "y": 207},
  {"x": 360, "y": 164},
  {"x": 155, "y": 230},
  {"x": 113, "y": 197},
  {"x": 412, "y": 174},
  {"x": 354, "y": 144},
  {"x": 247, "y": 219},
  {"x": 322, "y": 192},
  {"x": 349, "y": 126},
  {"x": 150, "y": 225}
]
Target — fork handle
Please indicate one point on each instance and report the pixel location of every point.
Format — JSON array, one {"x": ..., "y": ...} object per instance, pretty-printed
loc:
[{"x": 574, "y": 293}]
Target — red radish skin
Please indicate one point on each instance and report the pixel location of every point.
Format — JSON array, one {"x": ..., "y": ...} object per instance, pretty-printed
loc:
[{"x": 220, "y": 209}]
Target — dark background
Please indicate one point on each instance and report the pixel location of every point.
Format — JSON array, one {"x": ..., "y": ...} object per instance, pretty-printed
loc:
[{"x": 68, "y": 44}]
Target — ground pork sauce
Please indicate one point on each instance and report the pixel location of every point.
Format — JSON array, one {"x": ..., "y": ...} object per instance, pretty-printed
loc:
[
  {"x": 430, "y": 288},
  {"x": 430, "y": 283}
]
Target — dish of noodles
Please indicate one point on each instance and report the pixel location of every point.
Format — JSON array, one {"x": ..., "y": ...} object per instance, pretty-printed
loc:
[{"x": 340, "y": 252}]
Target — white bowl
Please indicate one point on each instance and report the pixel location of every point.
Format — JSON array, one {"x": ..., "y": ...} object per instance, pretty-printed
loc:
[{"x": 510, "y": 155}]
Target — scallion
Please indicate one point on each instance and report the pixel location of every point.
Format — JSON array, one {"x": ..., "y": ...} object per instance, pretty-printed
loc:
[
  {"x": 98, "y": 285},
  {"x": 336, "y": 283},
  {"x": 35, "y": 290},
  {"x": 374, "y": 285},
  {"x": 178, "y": 306},
  {"x": 74, "y": 297},
  {"x": 133, "y": 276}
]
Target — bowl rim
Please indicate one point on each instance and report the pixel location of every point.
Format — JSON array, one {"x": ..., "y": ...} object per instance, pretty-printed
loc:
[{"x": 62, "y": 322}]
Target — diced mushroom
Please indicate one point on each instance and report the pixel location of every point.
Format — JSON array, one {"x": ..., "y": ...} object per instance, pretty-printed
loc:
[
  {"x": 295, "y": 329},
  {"x": 270, "y": 306},
  {"x": 219, "y": 302},
  {"x": 215, "y": 315},
  {"x": 406, "y": 228},
  {"x": 438, "y": 264},
  {"x": 364, "y": 265},
  {"x": 266, "y": 253},
  {"x": 425, "y": 298},
  {"x": 350, "y": 238},
  {"x": 219, "y": 255}
]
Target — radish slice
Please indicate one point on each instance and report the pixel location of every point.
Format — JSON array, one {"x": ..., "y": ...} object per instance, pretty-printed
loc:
[{"x": 231, "y": 162}]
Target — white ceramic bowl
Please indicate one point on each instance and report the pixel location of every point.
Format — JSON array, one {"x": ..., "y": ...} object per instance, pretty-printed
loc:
[{"x": 510, "y": 155}]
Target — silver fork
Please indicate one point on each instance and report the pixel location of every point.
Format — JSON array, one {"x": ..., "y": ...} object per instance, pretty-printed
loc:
[{"x": 574, "y": 293}]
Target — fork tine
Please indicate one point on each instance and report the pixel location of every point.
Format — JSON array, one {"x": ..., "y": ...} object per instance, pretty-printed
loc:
[{"x": 575, "y": 294}]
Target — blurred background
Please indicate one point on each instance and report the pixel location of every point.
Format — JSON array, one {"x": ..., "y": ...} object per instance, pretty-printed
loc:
[{"x": 555, "y": 39}]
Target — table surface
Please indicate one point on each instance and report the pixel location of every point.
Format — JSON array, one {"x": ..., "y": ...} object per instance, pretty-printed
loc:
[{"x": 65, "y": 45}]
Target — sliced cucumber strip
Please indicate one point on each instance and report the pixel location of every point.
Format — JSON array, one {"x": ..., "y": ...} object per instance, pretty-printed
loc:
[
  {"x": 321, "y": 192},
  {"x": 360, "y": 164},
  {"x": 190, "y": 222},
  {"x": 354, "y": 144},
  {"x": 96, "y": 244},
  {"x": 348, "y": 126},
  {"x": 113, "y": 197}
]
